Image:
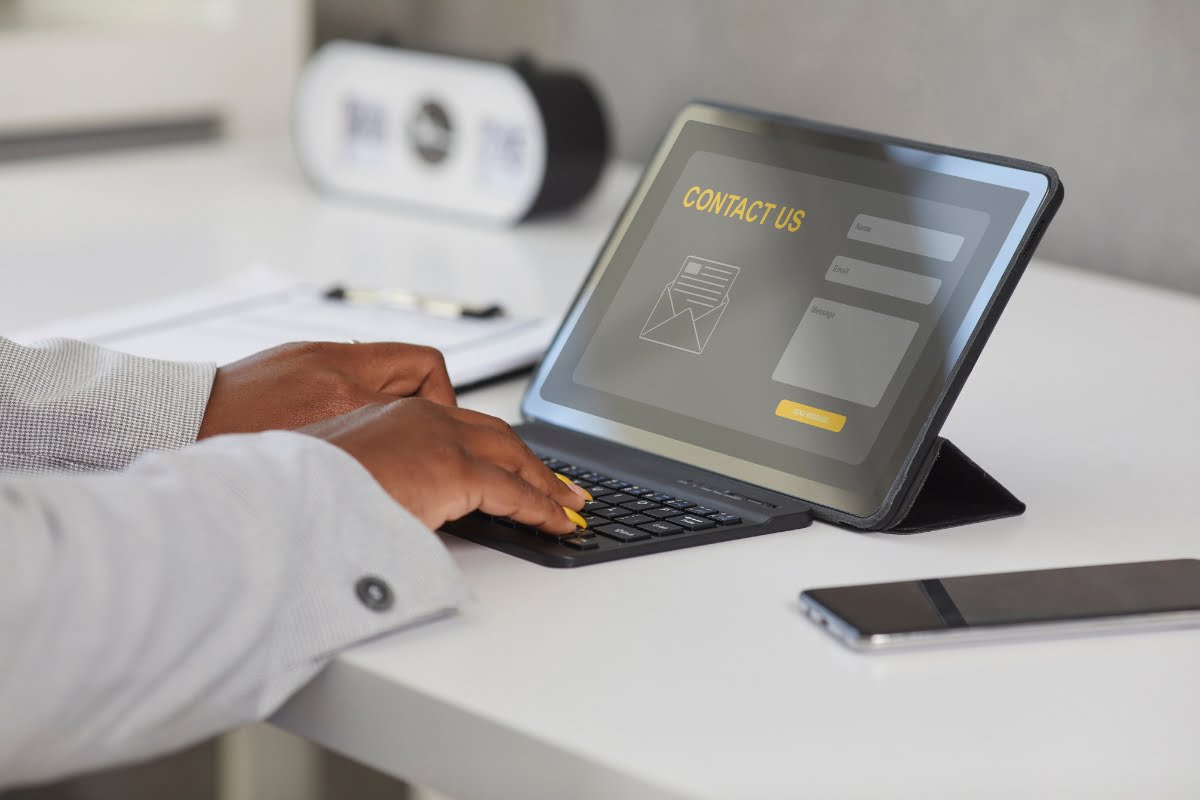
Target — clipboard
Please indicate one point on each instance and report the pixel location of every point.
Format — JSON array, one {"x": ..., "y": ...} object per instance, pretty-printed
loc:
[{"x": 260, "y": 308}]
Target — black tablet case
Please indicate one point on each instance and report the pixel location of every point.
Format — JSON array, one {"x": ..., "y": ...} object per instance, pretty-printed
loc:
[{"x": 953, "y": 490}]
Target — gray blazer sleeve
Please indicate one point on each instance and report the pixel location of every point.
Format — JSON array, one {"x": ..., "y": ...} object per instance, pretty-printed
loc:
[
  {"x": 70, "y": 406},
  {"x": 147, "y": 609}
]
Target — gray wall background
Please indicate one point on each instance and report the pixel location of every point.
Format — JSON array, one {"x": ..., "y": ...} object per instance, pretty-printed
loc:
[{"x": 1105, "y": 91}]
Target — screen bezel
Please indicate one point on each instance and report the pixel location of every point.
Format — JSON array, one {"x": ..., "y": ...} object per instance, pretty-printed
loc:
[{"x": 844, "y": 504}]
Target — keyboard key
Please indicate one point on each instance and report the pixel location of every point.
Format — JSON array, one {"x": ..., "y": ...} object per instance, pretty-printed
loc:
[
  {"x": 609, "y": 512},
  {"x": 661, "y": 528},
  {"x": 580, "y": 543},
  {"x": 622, "y": 533},
  {"x": 662, "y": 512},
  {"x": 550, "y": 537},
  {"x": 693, "y": 523},
  {"x": 626, "y": 512}
]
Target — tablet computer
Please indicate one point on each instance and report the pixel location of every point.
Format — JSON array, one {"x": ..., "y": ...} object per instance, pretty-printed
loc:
[
  {"x": 794, "y": 305},
  {"x": 774, "y": 332}
]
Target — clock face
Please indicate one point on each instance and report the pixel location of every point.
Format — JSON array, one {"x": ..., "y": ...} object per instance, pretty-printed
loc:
[{"x": 430, "y": 132}]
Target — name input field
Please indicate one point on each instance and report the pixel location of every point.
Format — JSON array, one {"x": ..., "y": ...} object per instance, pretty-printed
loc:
[
  {"x": 902, "y": 236},
  {"x": 883, "y": 280}
]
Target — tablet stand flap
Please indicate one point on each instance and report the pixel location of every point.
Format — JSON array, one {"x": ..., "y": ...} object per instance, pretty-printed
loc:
[{"x": 956, "y": 491}]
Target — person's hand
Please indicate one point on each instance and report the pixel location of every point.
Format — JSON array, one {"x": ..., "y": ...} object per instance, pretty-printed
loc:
[
  {"x": 294, "y": 385},
  {"x": 442, "y": 463}
]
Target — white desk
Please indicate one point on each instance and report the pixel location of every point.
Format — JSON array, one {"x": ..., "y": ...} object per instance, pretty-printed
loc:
[
  {"x": 88, "y": 234},
  {"x": 692, "y": 673}
]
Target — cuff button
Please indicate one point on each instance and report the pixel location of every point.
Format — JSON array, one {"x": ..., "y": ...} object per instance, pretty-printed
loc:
[{"x": 374, "y": 593}]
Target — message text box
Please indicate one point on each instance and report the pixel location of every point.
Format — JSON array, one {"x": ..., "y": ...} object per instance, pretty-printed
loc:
[{"x": 845, "y": 351}]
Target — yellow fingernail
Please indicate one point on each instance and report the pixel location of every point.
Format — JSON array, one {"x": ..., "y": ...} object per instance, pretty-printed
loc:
[
  {"x": 574, "y": 517},
  {"x": 575, "y": 487}
]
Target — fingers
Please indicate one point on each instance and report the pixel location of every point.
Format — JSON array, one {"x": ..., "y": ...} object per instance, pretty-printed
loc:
[
  {"x": 574, "y": 487},
  {"x": 440, "y": 466},
  {"x": 403, "y": 370},
  {"x": 503, "y": 494},
  {"x": 479, "y": 418},
  {"x": 501, "y": 446},
  {"x": 528, "y": 458},
  {"x": 492, "y": 441}
]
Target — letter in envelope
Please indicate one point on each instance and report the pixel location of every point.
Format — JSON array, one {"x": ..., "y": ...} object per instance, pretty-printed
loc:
[{"x": 689, "y": 308}]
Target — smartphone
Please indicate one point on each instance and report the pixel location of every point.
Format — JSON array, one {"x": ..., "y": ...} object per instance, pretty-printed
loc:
[{"x": 1047, "y": 603}]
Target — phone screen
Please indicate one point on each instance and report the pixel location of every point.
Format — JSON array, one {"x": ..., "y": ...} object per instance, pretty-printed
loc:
[{"x": 1050, "y": 595}]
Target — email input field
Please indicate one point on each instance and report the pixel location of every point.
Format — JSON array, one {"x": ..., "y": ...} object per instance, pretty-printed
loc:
[
  {"x": 902, "y": 236},
  {"x": 883, "y": 280}
]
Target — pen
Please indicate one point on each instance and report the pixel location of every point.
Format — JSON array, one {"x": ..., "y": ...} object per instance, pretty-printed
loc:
[{"x": 401, "y": 298}]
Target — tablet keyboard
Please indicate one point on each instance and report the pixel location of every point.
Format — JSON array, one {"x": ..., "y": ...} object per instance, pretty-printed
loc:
[
  {"x": 624, "y": 512},
  {"x": 635, "y": 516}
]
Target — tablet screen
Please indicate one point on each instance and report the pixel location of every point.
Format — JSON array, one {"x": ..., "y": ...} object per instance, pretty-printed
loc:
[{"x": 786, "y": 305}]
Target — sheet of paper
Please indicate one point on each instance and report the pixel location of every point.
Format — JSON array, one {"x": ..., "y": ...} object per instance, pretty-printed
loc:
[{"x": 260, "y": 308}]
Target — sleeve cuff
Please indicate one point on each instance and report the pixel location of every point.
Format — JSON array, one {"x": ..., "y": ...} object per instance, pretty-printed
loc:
[{"x": 364, "y": 566}]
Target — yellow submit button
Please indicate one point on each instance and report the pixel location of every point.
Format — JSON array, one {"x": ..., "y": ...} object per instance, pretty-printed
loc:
[{"x": 826, "y": 420}]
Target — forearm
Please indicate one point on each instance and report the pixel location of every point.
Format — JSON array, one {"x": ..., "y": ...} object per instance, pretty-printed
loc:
[
  {"x": 144, "y": 610},
  {"x": 71, "y": 406}
]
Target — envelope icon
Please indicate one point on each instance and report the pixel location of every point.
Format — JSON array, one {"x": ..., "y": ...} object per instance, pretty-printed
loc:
[{"x": 681, "y": 328}]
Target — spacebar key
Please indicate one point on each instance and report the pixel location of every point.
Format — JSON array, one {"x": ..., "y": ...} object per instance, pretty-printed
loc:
[{"x": 622, "y": 533}]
